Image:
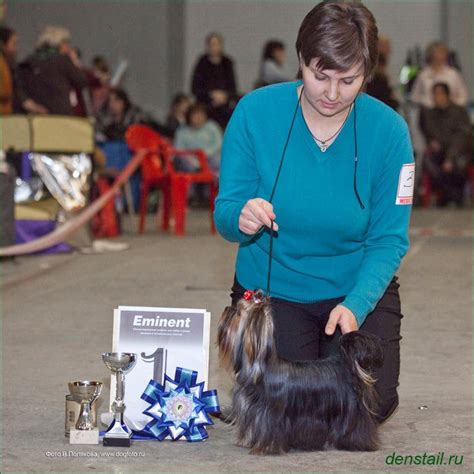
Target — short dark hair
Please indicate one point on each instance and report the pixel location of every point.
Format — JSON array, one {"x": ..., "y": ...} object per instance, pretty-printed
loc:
[
  {"x": 340, "y": 35},
  {"x": 5, "y": 34},
  {"x": 270, "y": 47},
  {"x": 179, "y": 98},
  {"x": 196, "y": 107},
  {"x": 122, "y": 95},
  {"x": 443, "y": 86},
  {"x": 214, "y": 34},
  {"x": 100, "y": 62},
  {"x": 430, "y": 49}
]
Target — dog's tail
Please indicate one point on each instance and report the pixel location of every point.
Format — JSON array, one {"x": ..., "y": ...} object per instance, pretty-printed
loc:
[
  {"x": 258, "y": 342},
  {"x": 363, "y": 353}
]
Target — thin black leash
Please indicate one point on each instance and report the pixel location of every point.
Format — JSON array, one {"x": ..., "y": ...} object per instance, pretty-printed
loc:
[
  {"x": 282, "y": 159},
  {"x": 356, "y": 159}
]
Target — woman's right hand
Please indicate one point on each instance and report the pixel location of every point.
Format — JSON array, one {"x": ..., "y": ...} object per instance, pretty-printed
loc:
[{"x": 255, "y": 214}]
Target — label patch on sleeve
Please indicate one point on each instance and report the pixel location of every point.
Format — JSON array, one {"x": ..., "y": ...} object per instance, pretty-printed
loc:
[{"x": 406, "y": 184}]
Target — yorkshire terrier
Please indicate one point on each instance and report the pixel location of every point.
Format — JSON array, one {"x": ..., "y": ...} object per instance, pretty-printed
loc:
[{"x": 280, "y": 405}]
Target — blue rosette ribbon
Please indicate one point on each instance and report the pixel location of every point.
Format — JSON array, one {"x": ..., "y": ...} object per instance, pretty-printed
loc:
[{"x": 179, "y": 409}]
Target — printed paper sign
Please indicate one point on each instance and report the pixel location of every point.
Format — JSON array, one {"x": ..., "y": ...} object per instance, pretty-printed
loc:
[
  {"x": 163, "y": 339},
  {"x": 406, "y": 184}
]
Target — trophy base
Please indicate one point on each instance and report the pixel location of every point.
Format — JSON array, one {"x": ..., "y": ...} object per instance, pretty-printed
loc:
[
  {"x": 84, "y": 436},
  {"x": 118, "y": 442}
]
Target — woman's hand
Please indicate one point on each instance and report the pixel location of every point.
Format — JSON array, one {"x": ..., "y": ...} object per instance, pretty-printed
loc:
[
  {"x": 255, "y": 214},
  {"x": 448, "y": 166},
  {"x": 219, "y": 97},
  {"x": 434, "y": 145},
  {"x": 342, "y": 317},
  {"x": 33, "y": 107},
  {"x": 74, "y": 57}
]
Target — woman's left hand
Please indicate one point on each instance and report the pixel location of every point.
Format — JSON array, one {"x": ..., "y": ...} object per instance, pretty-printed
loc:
[
  {"x": 219, "y": 97},
  {"x": 342, "y": 317}
]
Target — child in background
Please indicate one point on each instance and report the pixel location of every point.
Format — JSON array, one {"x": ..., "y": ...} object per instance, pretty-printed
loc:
[
  {"x": 178, "y": 112},
  {"x": 200, "y": 133}
]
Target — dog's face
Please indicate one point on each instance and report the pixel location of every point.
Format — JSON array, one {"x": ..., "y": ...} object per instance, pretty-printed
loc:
[{"x": 245, "y": 335}]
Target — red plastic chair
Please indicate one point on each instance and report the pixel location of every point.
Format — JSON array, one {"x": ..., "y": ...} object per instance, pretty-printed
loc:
[
  {"x": 154, "y": 173},
  {"x": 181, "y": 181}
]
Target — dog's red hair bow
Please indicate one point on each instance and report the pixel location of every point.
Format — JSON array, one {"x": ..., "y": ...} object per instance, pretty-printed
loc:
[{"x": 248, "y": 294}]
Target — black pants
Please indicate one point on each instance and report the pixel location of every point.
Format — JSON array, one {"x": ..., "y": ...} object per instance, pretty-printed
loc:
[{"x": 299, "y": 334}]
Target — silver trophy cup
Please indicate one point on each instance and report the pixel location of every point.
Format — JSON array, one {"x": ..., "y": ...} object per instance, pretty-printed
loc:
[
  {"x": 119, "y": 363},
  {"x": 85, "y": 393}
]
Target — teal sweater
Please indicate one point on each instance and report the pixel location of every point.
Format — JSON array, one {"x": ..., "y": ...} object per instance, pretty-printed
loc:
[{"x": 327, "y": 246}]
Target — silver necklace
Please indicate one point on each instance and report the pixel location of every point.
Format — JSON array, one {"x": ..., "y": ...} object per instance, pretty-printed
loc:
[{"x": 323, "y": 144}]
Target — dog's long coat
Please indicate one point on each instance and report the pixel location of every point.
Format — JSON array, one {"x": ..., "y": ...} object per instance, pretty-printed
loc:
[{"x": 280, "y": 405}]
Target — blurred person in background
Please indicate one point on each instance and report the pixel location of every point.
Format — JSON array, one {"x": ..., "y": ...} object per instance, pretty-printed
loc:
[
  {"x": 379, "y": 86},
  {"x": 213, "y": 80},
  {"x": 120, "y": 113},
  {"x": 53, "y": 71},
  {"x": 99, "y": 82},
  {"x": 385, "y": 46},
  {"x": 7, "y": 50},
  {"x": 179, "y": 108},
  {"x": 200, "y": 133},
  {"x": 81, "y": 99},
  {"x": 13, "y": 98},
  {"x": 438, "y": 70},
  {"x": 98, "y": 88},
  {"x": 118, "y": 116},
  {"x": 447, "y": 131},
  {"x": 272, "y": 66}
]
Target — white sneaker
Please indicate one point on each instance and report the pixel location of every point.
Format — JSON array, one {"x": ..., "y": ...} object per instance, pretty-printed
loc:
[{"x": 103, "y": 245}]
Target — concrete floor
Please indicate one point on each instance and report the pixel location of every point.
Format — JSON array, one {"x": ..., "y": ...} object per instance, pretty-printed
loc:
[{"x": 57, "y": 320}]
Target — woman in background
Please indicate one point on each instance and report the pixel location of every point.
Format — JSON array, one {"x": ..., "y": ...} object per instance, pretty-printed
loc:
[
  {"x": 438, "y": 70},
  {"x": 53, "y": 71},
  {"x": 177, "y": 114},
  {"x": 13, "y": 98},
  {"x": 447, "y": 131},
  {"x": 273, "y": 61},
  {"x": 213, "y": 82}
]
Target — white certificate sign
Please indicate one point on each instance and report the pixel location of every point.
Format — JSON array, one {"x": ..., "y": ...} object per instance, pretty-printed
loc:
[
  {"x": 406, "y": 185},
  {"x": 163, "y": 339}
]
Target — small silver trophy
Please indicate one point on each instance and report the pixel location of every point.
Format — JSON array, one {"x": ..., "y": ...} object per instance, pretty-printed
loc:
[
  {"x": 85, "y": 393},
  {"x": 119, "y": 363}
]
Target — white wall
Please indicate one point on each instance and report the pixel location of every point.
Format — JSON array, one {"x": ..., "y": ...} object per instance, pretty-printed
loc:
[{"x": 460, "y": 36}]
